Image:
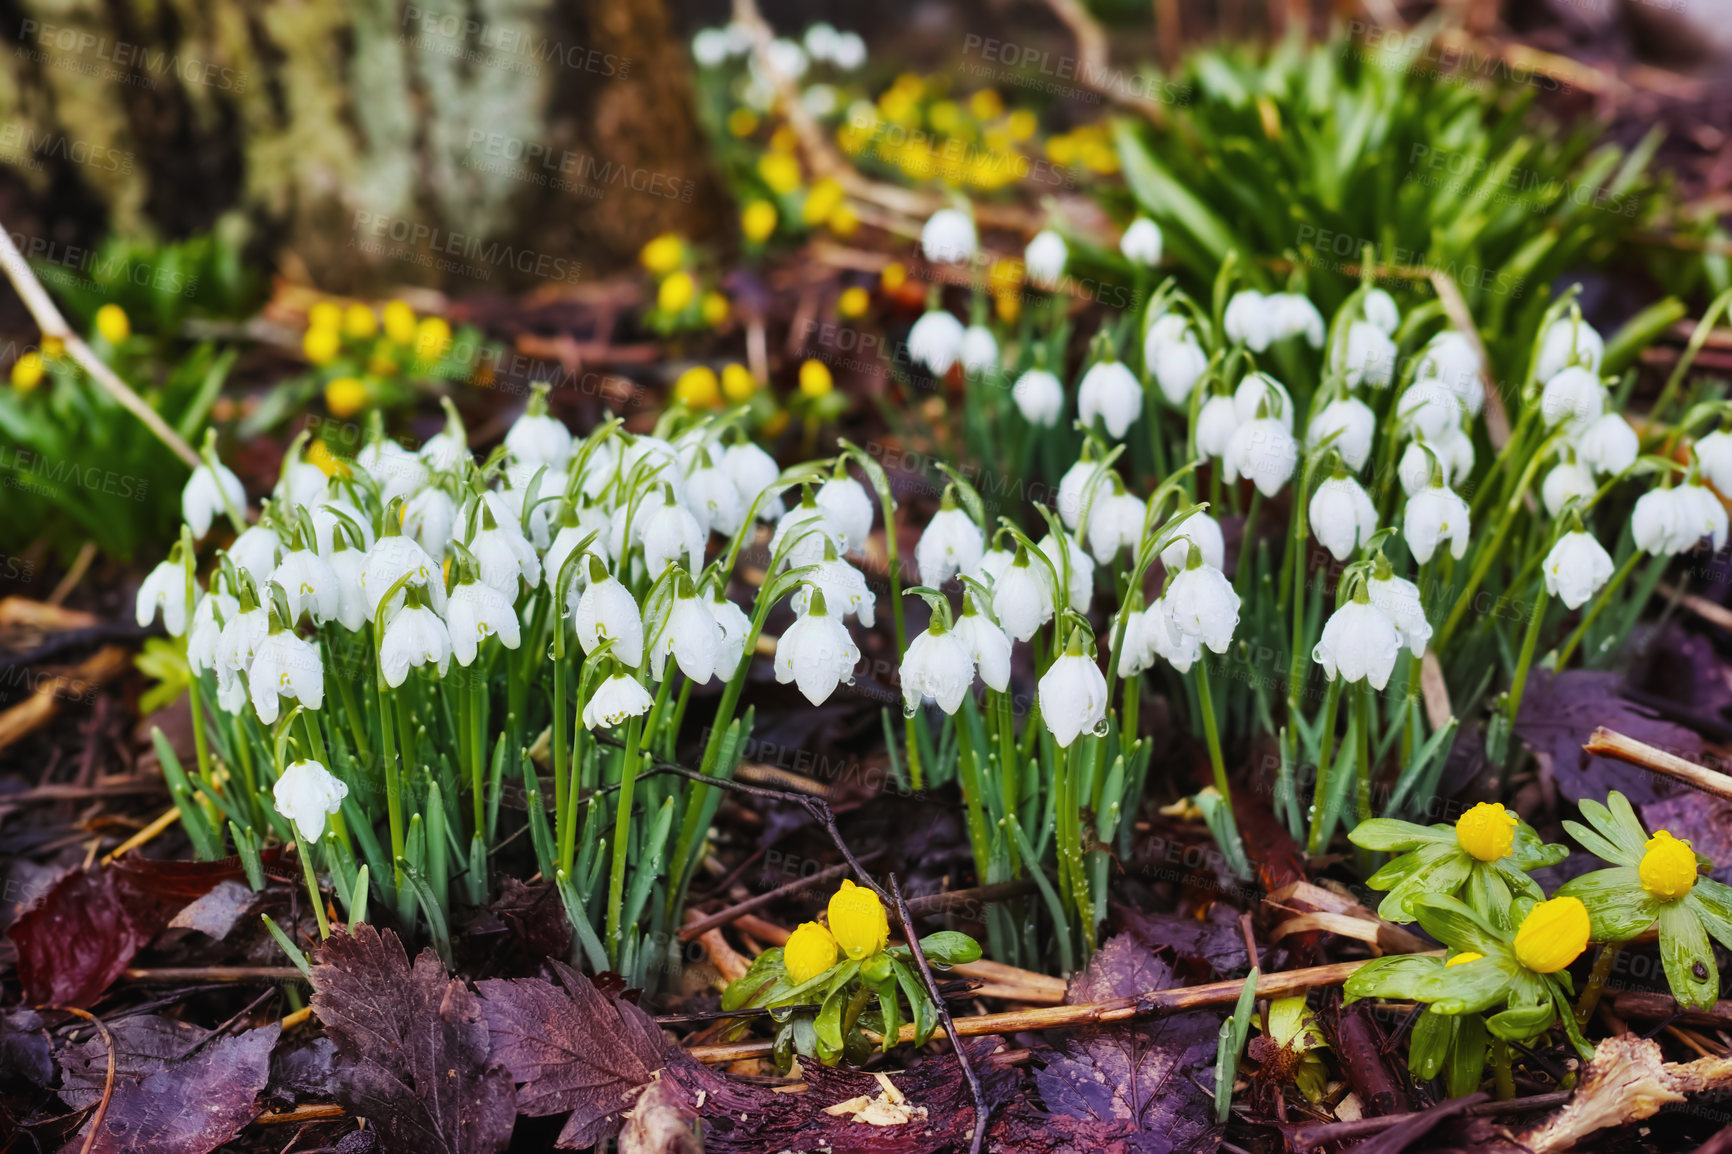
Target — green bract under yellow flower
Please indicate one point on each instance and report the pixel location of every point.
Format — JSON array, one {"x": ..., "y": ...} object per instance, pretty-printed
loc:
[
  {"x": 1487, "y": 831},
  {"x": 1668, "y": 868},
  {"x": 810, "y": 951},
  {"x": 858, "y": 921},
  {"x": 1553, "y": 935}
]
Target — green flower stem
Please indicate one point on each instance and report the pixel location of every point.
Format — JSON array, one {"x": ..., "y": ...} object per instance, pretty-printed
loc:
[
  {"x": 1489, "y": 552},
  {"x": 1009, "y": 767},
  {"x": 1598, "y": 607},
  {"x": 622, "y": 837},
  {"x": 1248, "y": 544},
  {"x": 477, "y": 767},
  {"x": 1704, "y": 327},
  {"x": 1211, "y": 731},
  {"x": 1068, "y": 821},
  {"x": 968, "y": 767},
  {"x": 562, "y": 805},
  {"x": 1362, "y": 768},
  {"x": 1501, "y": 1070},
  {"x": 304, "y": 851},
  {"x": 393, "y": 784},
  {"x": 1603, "y": 964},
  {"x": 351, "y": 708},
  {"x": 1325, "y": 753},
  {"x": 1530, "y": 639}
]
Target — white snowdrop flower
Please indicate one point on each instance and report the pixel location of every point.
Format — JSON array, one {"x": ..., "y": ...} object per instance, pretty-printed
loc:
[
  {"x": 1358, "y": 644},
  {"x": 820, "y": 41},
  {"x": 816, "y": 653},
  {"x": 1201, "y": 530},
  {"x": 1293, "y": 315},
  {"x": 255, "y": 553},
  {"x": 752, "y": 471},
  {"x": 652, "y": 460},
  {"x": 397, "y": 471},
  {"x": 307, "y": 794},
  {"x": 301, "y": 486},
  {"x": 712, "y": 499},
  {"x": 1216, "y": 421},
  {"x": 1022, "y": 598},
  {"x": 1660, "y": 523},
  {"x": 588, "y": 523},
  {"x": 848, "y": 507},
  {"x": 988, "y": 646},
  {"x": 389, "y": 560},
  {"x": 1110, "y": 392},
  {"x": 1203, "y": 604},
  {"x": 1172, "y": 644},
  {"x": 617, "y": 698},
  {"x": 329, "y": 525},
  {"x": 1434, "y": 515},
  {"x": 1261, "y": 395},
  {"x": 165, "y": 588},
  {"x": 1249, "y": 320},
  {"x": 1714, "y": 456},
  {"x": 241, "y": 636},
  {"x": 1367, "y": 356},
  {"x": 1171, "y": 351},
  {"x": 1398, "y": 599},
  {"x": 285, "y": 666},
  {"x": 209, "y": 494},
  {"x": 1137, "y": 651},
  {"x": 1082, "y": 486},
  {"x": 1381, "y": 311},
  {"x": 1264, "y": 452},
  {"x": 1063, "y": 550},
  {"x": 806, "y": 531},
  {"x": 1073, "y": 694},
  {"x": 214, "y": 608},
  {"x": 1702, "y": 514},
  {"x": 1044, "y": 258},
  {"x": 416, "y": 636},
  {"x": 936, "y": 341},
  {"x": 820, "y": 100},
  {"x": 231, "y": 693},
  {"x": 535, "y": 489},
  {"x": 950, "y": 543},
  {"x": 503, "y": 556},
  {"x": 1429, "y": 409},
  {"x": 845, "y": 590},
  {"x": 445, "y": 450},
  {"x": 735, "y": 626},
  {"x": 1568, "y": 343},
  {"x": 539, "y": 439},
  {"x": 428, "y": 517},
  {"x": 670, "y": 533},
  {"x": 1352, "y": 424},
  {"x": 937, "y": 665},
  {"x": 1115, "y": 523},
  {"x": 787, "y": 58},
  {"x": 1450, "y": 358},
  {"x": 606, "y": 611},
  {"x": 992, "y": 565},
  {"x": 1142, "y": 242},
  {"x": 346, "y": 565},
  {"x": 1039, "y": 397},
  {"x": 692, "y": 636},
  {"x": 1342, "y": 516},
  {"x": 1567, "y": 479},
  {"x": 310, "y": 585},
  {"x": 1577, "y": 568},
  {"x": 1414, "y": 470},
  {"x": 475, "y": 612},
  {"x": 1455, "y": 450},
  {"x": 848, "y": 52},
  {"x": 979, "y": 352},
  {"x": 1573, "y": 396},
  {"x": 710, "y": 47},
  {"x": 948, "y": 237},
  {"x": 1609, "y": 445}
]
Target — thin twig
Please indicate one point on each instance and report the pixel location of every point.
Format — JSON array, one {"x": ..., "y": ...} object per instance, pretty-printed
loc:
[
  {"x": 1610, "y": 743},
  {"x": 723, "y": 917},
  {"x": 108, "y": 1081}
]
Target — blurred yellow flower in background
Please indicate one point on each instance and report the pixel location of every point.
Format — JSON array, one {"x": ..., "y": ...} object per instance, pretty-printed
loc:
[
  {"x": 780, "y": 171},
  {"x": 321, "y": 344},
  {"x": 738, "y": 384},
  {"x": 432, "y": 338},
  {"x": 112, "y": 323},
  {"x": 676, "y": 292},
  {"x": 400, "y": 323},
  {"x": 815, "y": 379},
  {"x": 697, "y": 388},
  {"x": 715, "y": 308},
  {"x": 359, "y": 322},
  {"x": 344, "y": 397},
  {"x": 663, "y": 254},
  {"x": 853, "y": 302},
  {"x": 27, "y": 371},
  {"x": 758, "y": 220}
]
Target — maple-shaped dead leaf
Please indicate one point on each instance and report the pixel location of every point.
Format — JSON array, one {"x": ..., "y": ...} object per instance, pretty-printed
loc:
[{"x": 414, "y": 1056}]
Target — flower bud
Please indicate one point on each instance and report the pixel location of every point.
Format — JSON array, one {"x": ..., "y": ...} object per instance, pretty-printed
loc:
[
  {"x": 1553, "y": 935},
  {"x": 858, "y": 921},
  {"x": 1668, "y": 868}
]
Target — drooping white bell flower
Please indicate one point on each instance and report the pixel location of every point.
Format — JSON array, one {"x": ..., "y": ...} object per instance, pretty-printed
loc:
[
  {"x": 208, "y": 494},
  {"x": 1115, "y": 522},
  {"x": 848, "y": 52},
  {"x": 255, "y": 553},
  {"x": 346, "y": 567},
  {"x": 1110, "y": 393},
  {"x": 241, "y": 636},
  {"x": 692, "y": 636},
  {"x": 1455, "y": 450},
  {"x": 1701, "y": 514},
  {"x": 849, "y": 507},
  {"x": 1072, "y": 694},
  {"x": 1262, "y": 451},
  {"x": 285, "y": 666},
  {"x": 1434, "y": 515},
  {"x": 1203, "y": 604},
  {"x": 428, "y": 517},
  {"x": 988, "y": 646},
  {"x": 310, "y": 584},
  {"x": 752, "y": 471},
  {"x": 1171, "y": 351},
  {"x": 329, "y": 524},
  {"x": 307, "y": 793},
  {"x": 1261, "y": 395},
  {"x": 398, "y": 472},
  {"x": 1381, "y": 311},
  {"x": 1451, "y": 359},
  {"x": 214, "y": 609},
  {"x": 1398, "y": 599},
  {"x": 1342, "y": 516},
  {"x": 475, "y": 612},
  {"x": 992, "y": 565},
  {"x": 710, "y": 47},
  {"x": 804, "y": 532},
  {"x": 416, "y": 636},
  {"x": 1608, "y": 446},
  {"x": 1045, "y": 258},
  {"x": 1081, "y": 487},
  {"x": 1063, "y": 551},
  {"x": 1216, "y": 421},
  {"x": 606, "y": 611},
  {"x": 532, "y": 488},
  {"x": 669, "y": 534},
  {"x": 591, "y": 523},
  {"x": 1429, "y": 409},
  {"x": 951, "y": 542},
  {"x": 1359, "y": 644},
  {"x": 937, "y": 665},
  {"x": 1137, "y": 651},
  {"x": 1573, "y": 396},
  {"x": 1022, "y": 598},
  {"x": 1714, "y": 456},
  {"x": 1249, "y": 320},
  {"x": 1293, "y": 315},
  {"x": 1142, "y": 242},
  {"x": 301, "y": 486},
  {"x": 444, "y": 451},
  {"x": 845, "y": 589},
  {"x": 713, "y": 500},
  {"x": 948, "y": 237},
  {"x": 816, "y": 653},
  {"x": 1039, "y": 397},
  {"x": 1367, "y": 356},
  {"x": 1353, "y": 426},
  {"x": 1201, "y": 530},
  {"x": 537, "y": 438},
  {"x": 936, "y": 341},
  {"x": 1569, "y": 343},
  {"x": 165, "y": 588},
  {"x": 1660, "y": 523},
  {"x": 1576, "y": 569},
  {"x": 1172, "y": 644},
  {"x": 735, "y": 626},
  {"x": 979, "y": 352},
  {"x": 617, "y": 698},
  {"x": 392, "y": 557},
  {"x": 1567, "y": 479}
]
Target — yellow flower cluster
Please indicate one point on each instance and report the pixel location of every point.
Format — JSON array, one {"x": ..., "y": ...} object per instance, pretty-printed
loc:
[
  {"x": 668, "y": 259},
  {"x": 1089, "y": 145},
  {"x": 918, "y": 129},
  {"x": 858, "y": 929}
]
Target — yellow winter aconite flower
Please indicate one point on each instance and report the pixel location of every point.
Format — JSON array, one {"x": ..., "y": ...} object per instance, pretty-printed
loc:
[
  {"x": 1463, "y": 959},
  {"x": 857, "y": 918},
  {"x": 345, "y": 396},
  {"x": 319, "y": 454},
  {"x": 822, "y": 201},
  {"x": 359, "y": 322},
  {"x": 111, "y": 322},
  {"x": 815, "y": 381},
  {"x": 663, "y": 254},
  {"x": 1487, "y": 831},
  {"x": 697, "y": 387},
  {"x": 676, "y": 292},
  {"x": 853, "y": 302},
  {"x": 321, "y": 345},
  {"x": 758, "y": 220},
  {"x": 843, "y": 222},
  {"x": 325, "y": 315},
  {"x": 810, "y": 951},
  {"x": 27, "y": 371},
  {"x": 894, "y": 276},
  {"x": 780, "y": 171},
  {"x": 714, "y": 307},
  {"x": 1553, "y": 935},
  {"x": 738, "y": 384},
  {"x": 987, "y": 104},
  {"x": 1668, "y": 867},
  {"x": 400, "y": 322},
  {"x": 432, "y": 338}
]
